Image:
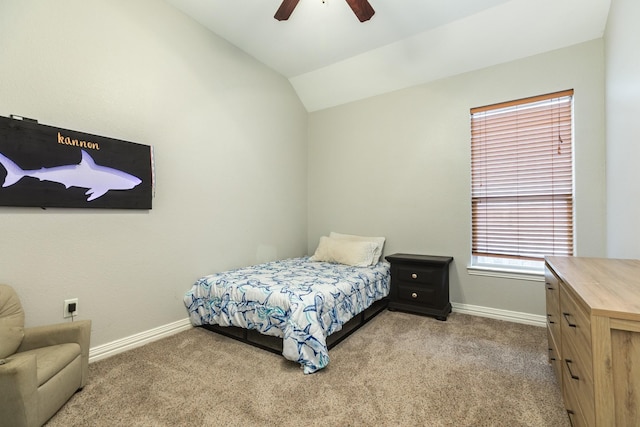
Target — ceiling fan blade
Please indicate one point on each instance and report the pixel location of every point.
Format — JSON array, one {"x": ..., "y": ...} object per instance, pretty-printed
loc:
[
  {"x": 285, "y": 10},
  {"x": 362, "y": 9}
]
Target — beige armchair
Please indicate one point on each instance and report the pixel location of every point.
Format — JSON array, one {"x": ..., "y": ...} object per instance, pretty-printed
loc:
[{"x": 40, "y": 367}]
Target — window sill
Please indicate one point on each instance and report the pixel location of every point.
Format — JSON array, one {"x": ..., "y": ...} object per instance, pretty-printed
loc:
[{"x": 506, "y": 273}]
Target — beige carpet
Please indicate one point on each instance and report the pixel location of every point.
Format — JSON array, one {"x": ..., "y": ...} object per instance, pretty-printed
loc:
[{"x": 398, "y": 370}]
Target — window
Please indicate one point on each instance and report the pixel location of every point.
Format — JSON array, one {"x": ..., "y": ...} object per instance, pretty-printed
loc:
[{"x": 522, "y": 182}]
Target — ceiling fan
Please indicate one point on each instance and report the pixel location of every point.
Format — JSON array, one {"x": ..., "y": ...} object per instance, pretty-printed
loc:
[{"x": 361, "y": 8}]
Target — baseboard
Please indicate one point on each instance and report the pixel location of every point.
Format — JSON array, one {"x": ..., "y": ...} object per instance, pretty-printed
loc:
[
  {"x": 137, "y": 340},
  {"x": 494, "y": 313}
]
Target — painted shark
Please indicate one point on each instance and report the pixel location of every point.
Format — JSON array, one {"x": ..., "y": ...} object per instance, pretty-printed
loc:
[{"x": 87, "y": 174}]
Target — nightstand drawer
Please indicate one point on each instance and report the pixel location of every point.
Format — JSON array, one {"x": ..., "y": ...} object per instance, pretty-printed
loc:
[
  {"x": 419, "y": 274},
  {"x": 417, "y": 293}
]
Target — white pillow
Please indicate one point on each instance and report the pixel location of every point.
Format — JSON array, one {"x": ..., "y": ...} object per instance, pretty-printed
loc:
[
  {"x": 379, "y": 241},
  {"x": 348, "y": 252}
]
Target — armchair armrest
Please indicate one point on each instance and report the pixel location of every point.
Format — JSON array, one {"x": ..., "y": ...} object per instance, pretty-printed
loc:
[
  {"x": 61, "y": 333},
  {"x": 19, "y": 385}
]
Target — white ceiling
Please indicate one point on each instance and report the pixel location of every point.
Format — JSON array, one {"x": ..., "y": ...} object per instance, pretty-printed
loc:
[{"x": 331, "y": 58}]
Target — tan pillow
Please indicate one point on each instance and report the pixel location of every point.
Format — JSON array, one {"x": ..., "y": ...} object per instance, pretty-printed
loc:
[
  {"x": 11, "y": 313},
  {"x": 379, "y": 241},
  {"x": 348, "y": 252},
  {"x": 10, "y": 340}
]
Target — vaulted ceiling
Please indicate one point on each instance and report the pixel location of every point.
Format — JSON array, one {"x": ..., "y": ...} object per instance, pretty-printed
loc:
[{"x": 331, "y": 58}]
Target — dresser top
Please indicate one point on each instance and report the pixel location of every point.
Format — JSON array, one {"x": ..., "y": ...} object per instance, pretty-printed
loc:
[{"x": 609, "y": 287}]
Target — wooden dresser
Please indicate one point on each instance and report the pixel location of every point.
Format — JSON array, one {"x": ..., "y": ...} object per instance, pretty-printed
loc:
[{"x": 593, "y": 326}]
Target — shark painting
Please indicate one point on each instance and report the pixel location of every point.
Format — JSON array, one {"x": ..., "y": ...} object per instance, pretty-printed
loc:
[{"x": 87, "y": 174}]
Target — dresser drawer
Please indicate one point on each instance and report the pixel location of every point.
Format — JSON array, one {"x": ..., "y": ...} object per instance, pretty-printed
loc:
[
  {"x": 554, "y": 357},
  {"x": 551, "y": 281},
  {"x": 578, "y": 379},
  {"x": 554, "y": 330},
  {"x": 575, "y": 413},
  {"x": 577, "y": 357},
  {"x": 578, "y": 394},
  {"x": 552, "y": 290},
  {"x": 575, "y": 324}
]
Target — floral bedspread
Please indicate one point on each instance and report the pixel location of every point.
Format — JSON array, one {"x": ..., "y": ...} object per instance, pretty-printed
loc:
[{"x": 298, "y": 300}]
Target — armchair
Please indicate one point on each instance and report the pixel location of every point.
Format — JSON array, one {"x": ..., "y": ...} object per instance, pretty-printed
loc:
[{"x": 40, "y": 367}]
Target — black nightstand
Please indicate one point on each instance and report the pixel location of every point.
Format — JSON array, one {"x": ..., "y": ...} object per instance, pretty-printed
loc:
[{"x": 420, "y": 284}]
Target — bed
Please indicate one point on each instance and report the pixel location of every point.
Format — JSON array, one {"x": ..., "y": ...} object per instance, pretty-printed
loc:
[{"x": 300, "y": 307}]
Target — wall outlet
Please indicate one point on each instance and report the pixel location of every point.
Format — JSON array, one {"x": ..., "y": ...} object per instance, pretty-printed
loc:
[{"x": 70, "y": 308}]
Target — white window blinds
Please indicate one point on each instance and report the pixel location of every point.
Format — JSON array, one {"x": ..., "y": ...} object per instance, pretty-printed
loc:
[{"x": 522, "y": 178}]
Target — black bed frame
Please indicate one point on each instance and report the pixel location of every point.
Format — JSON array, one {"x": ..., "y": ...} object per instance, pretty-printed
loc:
[{"x": 274, "y": 344}]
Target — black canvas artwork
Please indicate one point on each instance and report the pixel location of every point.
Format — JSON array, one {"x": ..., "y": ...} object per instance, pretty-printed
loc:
[{"x": 45, "y": 166}]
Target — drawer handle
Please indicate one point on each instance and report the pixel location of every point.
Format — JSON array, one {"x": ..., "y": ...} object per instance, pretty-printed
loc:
[
  {"x": 549, "y": 286},
  {"x": 551, "y": 354},
  {"x": 549, "y": 318},
  {"x": 414, "y": 276},
  {"x": 568, "y": 362},
  {"x": 566, "y": 317},
  {"x": 414, "y": 295}
]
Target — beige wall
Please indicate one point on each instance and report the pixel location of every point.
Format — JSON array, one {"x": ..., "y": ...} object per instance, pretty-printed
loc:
[
  {"x": 398, "y": 165},
  {"x": 232, "y": 161},
  {"x": 230, "y": 153},
  {"x": 623, "y": 129}
]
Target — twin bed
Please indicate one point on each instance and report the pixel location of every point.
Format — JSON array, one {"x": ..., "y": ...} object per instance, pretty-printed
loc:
[{"x": 300, "y": 307}]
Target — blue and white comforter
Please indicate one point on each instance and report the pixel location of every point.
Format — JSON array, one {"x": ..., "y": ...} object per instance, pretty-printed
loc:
[{"x": 296, "y": 299}]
